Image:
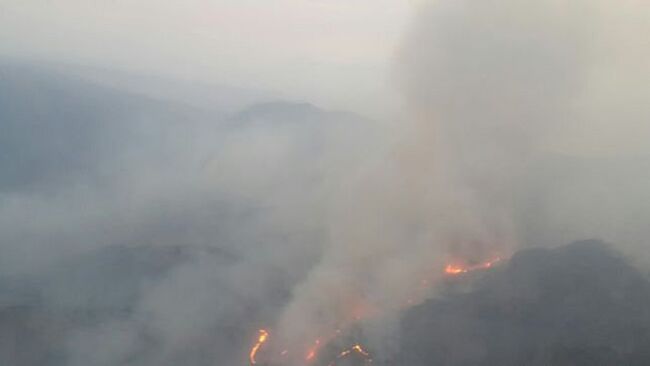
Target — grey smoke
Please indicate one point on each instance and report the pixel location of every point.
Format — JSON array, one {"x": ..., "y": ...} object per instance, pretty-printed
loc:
[
  {"x": 492, "y": 87},
  {"x": 140, "y": 227},
  {"x": 489, "y": 85},
  {"x": 144, "y": 231}
]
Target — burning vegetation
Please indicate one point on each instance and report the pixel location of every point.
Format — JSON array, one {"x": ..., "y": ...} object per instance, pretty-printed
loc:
[
  {"x": 581, "y": 304},
  {"x": 356, "y": 351},
  {"x": 311, "y": 356},
  {"x": 534, "y": 294},
  {"x": 453, "y": 269},
  {"x": 261, "y": 339}
]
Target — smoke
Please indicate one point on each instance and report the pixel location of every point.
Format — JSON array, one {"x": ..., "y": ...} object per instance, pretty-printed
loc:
[
  {"x": 489, "y": 85},
  {"x": 143, "y": 231},
  {"x": 139, "y": 230}
]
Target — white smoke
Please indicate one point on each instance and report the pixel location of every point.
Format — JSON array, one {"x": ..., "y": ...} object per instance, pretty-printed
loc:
[{"x": 489, "y": 84}]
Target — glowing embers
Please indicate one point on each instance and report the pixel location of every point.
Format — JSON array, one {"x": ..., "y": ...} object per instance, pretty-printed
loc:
[
  {"x": 261, "y": 339},
  {"x": 327, "y": 346},
  {"x": 356, "y": 349},
  {"x": 457, "y": 269},
  {"x": 356, "y": 353},
  {"x": 311, "y": 353}
]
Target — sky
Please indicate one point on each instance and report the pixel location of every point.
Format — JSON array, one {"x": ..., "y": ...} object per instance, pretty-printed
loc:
[
  {"x": 334, "y": 53},
  {"x": 337, "y": 54}
]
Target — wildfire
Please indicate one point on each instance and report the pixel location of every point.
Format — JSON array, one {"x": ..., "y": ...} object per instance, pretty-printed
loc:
[
  {"x": 311, "y": 354},
  {"x": 354, "y": 349},
  {"x": 261, "y": 339},
  {"x": 456, "y": 269}
]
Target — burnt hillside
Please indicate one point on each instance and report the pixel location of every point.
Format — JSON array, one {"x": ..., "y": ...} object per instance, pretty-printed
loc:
[{"x": 580, "y": 304}]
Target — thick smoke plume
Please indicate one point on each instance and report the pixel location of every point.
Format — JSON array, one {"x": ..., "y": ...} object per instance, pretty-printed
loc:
[{"x": 489, "y": 86}]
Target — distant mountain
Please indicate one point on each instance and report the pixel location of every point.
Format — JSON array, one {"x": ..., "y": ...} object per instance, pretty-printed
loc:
[
  {"x": 60, "y": 124},
  {"x": 56, "y": 127},
  {"x": 119, "y": 200},
  {"x": 113, "y": 231},
  {"x": 216, "y": 98},
  {"x": 291, "y": 112}
]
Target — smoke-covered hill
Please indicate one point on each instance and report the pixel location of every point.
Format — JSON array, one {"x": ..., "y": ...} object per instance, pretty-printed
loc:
[
  {"x": 114, "y": 304},
  {"x": 196, "y": 220},
  {"x": 143, "y": 231},
  {"x": 59, "y": 128},
  {"x": 579, "y": 304}
]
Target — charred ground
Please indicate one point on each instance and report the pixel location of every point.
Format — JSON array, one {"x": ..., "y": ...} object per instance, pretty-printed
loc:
[{"x": 580, "y": 304}]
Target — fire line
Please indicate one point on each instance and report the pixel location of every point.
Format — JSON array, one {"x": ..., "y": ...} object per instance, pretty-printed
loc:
[
  {"x": 456, "y": 269},
  {"x": 261, "y": 339},
  {"x": 356, "y": 349},
  {"x": 452, "y": 269}
]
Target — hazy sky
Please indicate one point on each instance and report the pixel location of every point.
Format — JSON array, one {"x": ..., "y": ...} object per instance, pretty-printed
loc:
[{"x": 336, "y": 53}]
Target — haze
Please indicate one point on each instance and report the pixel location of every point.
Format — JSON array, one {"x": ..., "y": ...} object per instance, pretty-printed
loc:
[
  {"x": 333, "y": 53},
  {"x": 178, "y": 178}
]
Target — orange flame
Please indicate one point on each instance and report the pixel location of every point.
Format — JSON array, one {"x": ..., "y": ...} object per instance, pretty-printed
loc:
[
  {"x": 452, "y": 269},
  {"x": 310, "y": 355},
  {"x": 261, "y": 339},
  {"x": 456, "y": 269},
  {"x": 312, "y": 351},
  {"x": 357, "y": 349},
  {"x": 360, "y": 350}
]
